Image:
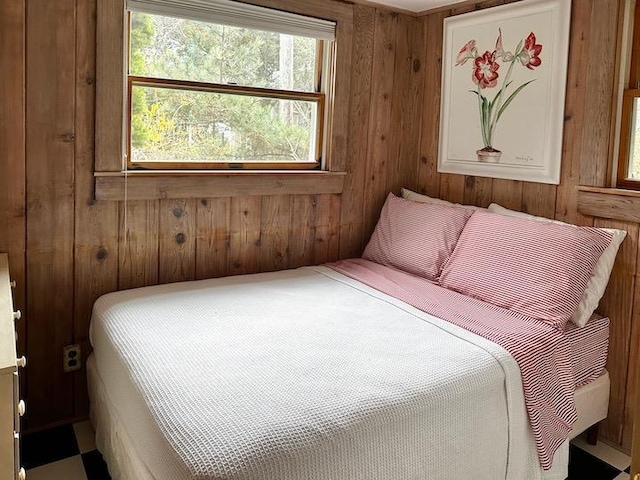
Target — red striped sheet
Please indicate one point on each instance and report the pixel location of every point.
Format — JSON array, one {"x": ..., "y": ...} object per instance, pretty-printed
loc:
[
  {"x": 538, "y": 347},
  {"x": 588, "y": 347}
]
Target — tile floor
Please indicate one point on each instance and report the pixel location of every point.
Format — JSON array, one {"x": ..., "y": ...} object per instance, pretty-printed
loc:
[
  {"x": 63, "y": 453},
  {"x": 69, "y": 453}
]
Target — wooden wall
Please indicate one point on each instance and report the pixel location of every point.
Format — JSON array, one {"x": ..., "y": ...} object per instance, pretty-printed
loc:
[
  {"x": 589, "y": 111},
  {"x": 66, "y": 249},
  {"x": 12, "y": 141}
]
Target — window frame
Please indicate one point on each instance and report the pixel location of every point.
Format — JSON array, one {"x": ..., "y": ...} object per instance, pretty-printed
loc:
[
  {"x": 629, "y": 94},
  {"x": 318, "y": 98},
  {"x": 323, "y": 58},
  {"x": 623, "y": 180}
]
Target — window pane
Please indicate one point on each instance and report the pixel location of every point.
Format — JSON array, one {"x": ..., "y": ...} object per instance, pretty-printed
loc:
[
  {"x": 171, "y": 125},
  {"x": 634, "y": 154},
  {"x": 167, "y": 47}
]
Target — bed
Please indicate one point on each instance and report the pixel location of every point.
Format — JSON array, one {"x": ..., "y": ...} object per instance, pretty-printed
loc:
[
  {"x": 312, "y": 374},
  {"x": 447, "y": 351}
]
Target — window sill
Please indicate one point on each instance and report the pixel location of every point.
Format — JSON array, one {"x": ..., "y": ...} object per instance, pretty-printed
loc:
[
  {"x": 614, "y": 203},
  {"x": 157, "y": 185}
]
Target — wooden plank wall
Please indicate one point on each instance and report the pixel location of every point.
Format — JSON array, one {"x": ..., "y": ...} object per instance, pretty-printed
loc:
[
  {"x": 12, "y": 146},
  {"x": 589, "y": 111},
  {"x": 66, "y": 249}
]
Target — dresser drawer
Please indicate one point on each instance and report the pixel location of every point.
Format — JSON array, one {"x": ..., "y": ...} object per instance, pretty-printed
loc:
[
  {"x": 10, "y": 407},
  {"x": 7, "y": 439},
  {"x": 19, "y": 407},
  {"x": 16, "y": 451}
]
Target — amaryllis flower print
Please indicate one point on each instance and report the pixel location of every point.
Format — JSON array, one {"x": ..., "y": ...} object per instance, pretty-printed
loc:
[
  {"x": 485, "y": 73},
  {"x": 500, "y": 53},
  {"x": 529, "y": 57},
  {"x": 467, "y": 53}
]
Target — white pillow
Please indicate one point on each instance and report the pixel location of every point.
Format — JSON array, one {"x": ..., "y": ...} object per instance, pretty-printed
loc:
[
  {"x": 417, "y": 197},
  {"x": 601, "y": 272}
]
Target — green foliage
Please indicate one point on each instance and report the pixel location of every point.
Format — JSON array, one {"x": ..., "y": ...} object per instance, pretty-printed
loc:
[
  {"x": 179, "y": 125},
  {"x": 142, "y": 33}
]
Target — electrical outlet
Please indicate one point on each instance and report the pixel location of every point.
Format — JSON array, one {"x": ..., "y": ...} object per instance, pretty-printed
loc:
[{"x": 71, "y": 360}]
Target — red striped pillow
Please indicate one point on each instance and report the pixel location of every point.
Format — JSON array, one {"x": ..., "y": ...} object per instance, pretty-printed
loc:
[
  {"x": 534, "y": 268},
  {"x": 416, "y": 237}
]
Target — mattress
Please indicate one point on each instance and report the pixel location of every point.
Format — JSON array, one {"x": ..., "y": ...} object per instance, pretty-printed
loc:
[
  {"x": 592, "y": 401},
  {"x": 589, "y": 347},
  {"x": 305, "y": 374}
]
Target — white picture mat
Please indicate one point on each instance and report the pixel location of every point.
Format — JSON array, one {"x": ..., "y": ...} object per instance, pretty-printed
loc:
[{"x": 529, "y": 134}]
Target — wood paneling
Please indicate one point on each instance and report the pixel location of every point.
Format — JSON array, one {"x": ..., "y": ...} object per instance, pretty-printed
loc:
[
  {"x": 96, "y": 224},
  {"x": 138, "y": 244},
  {"x": 452, "y": 187},
  {"x": 507, "y": 193},
  {"x": 635, "y": 452},
  {"x": 274, "y": 233},
  {"x": 596, "y": 132},
  {"x": 177, "y": 241},
  {"x": 327, "y": 238},
  {"x": 245, "y": 241},
  {"x": 610, "y": 203},
  {"x": 302, "y": 230},
  {"x": 631, "y": 394},
  {"x": 109, "y": 59},
  {"x": 159, "y": 186},
  {"x": 12, "y": 154},
  {"x": 618, "y": 305},
  {"x": 478, "y": 191},
  {"x": 50, "y": 143},
  {"x": 428, "y": 176},
  {"x": 353, "y": 193},
  {"x": 384, "y": 54},
  {"x": 78, "y": 248},
  {"x": 579, "y": 44},
  {"x": 539, "y": 199},
  {"x": 212, "y": 247},
  {"x": 589, "y": 111},
  {"x": 402, "y": 105}
]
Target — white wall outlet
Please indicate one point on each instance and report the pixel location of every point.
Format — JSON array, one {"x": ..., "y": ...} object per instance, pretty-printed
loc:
[{"x": 71, "y": 359}]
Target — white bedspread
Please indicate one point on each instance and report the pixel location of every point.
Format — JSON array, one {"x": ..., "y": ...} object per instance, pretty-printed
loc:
[{"x": 307, "y": 374}]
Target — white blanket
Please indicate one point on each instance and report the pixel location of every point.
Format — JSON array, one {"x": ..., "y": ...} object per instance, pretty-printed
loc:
[{"x": 307, "y": 374}]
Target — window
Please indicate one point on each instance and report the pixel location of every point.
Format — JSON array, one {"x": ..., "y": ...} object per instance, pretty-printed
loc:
[
  {"x": 629, "y": 156},
  {"x": 223, "y": 85}
]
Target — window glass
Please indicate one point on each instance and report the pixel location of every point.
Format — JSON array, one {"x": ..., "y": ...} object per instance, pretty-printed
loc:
[
  {"x": 203, "y": 95},
  {"x": 180, "y": 125},
  {"x": 174, "y": 48},
  {"x": 634, "y": 148}
]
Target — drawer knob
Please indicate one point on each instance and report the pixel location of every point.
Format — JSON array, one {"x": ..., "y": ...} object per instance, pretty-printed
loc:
[
  {"x": 21, "y": 362},
  {"x": 22, "y": 475},
  {"x": 22, "y": 408},
  {"x": 13, "y": 284},
  {"x": 17, "y": 315}
]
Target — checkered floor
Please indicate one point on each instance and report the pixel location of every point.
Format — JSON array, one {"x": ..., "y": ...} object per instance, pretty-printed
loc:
[{"x": 69, "y": 453}]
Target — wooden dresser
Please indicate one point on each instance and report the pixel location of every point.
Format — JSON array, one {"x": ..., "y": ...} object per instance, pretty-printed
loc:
[{"x": 11, "y": 407}]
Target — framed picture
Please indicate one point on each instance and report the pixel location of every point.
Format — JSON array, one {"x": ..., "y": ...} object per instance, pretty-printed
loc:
[{"x": 503, "y": 90}]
